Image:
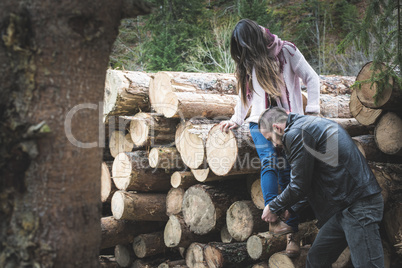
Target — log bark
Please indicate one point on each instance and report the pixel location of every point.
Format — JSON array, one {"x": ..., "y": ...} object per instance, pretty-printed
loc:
[
  {"x": 281, "y": 260},
  {"x": 152, "y": 129},
  {"x": 389, "y": 95},
  {"x": 243, "y": 219},
  {"x": 132, "y": 172},
  {"x": 108, "y": 261},
  {"x": 151, "y": 244},
  {"x": 126, "y": 93},
  {"x": 370, "y": 150},
  {"x": 178, "y": 234},
  {"x": 124, "y": 255},
  {"x": 361, "y": 113},
  {"x": 173, "y": 264},
  {"x": 188, "y": 105},
  {"x": 256, "y": 194},
  {"x": 107, "y": 185},
  {"x": 353, "y": 127},
  {"x": 389, "y": 176},
  {"x": 225, "y": 235},
  {"x": 223, "y": 255},
  {"x": 195, "y": 254},
  {"x": 174, "y": 200},
  {"x": 182, "y": 179},
  {"x": 165, "y": 158},
  {"x": 231, "y": 153},
  {"x": 387, "y": 134},
  {"x": 116, "y": 232},
  {"x": 335, "y": 106},
  {"x": 120, "y": 142},
  {"x": 263, "y": 245},
  {"x": 139, "y": 207},
  {"x": 192, "y": 142},
  {"x": 204, "y": 206}
]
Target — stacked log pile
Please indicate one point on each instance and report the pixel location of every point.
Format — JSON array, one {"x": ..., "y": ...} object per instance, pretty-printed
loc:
[{"x": 178, "y": 192}]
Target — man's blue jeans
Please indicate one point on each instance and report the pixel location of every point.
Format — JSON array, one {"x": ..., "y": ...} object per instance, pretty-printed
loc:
[
  {"x": 356, "y": 227},
  {"x": 274, "y": 168}
]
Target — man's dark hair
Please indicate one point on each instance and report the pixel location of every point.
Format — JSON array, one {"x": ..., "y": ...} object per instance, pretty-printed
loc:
[{"x": 271, "y": 116}]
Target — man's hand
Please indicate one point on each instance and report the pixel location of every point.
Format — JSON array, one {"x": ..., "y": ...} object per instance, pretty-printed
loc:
[
  {"x": 268, "y": 216},
  {"x": 225, "y": 125}
]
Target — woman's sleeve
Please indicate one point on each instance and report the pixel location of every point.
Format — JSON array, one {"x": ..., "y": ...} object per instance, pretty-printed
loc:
[
  {"x": 310, "y": 79},
  {"x": 240, "y": 110}
]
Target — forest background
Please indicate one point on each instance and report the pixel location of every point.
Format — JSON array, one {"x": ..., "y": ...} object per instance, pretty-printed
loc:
[{"x": 194, "y": 35}]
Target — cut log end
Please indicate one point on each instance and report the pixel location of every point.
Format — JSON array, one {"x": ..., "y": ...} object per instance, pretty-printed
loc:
[
  {"x": 240, "y": 220},
  {"x": 255, "y": 247},
  {"x": 174, "y": 200},
  {"x": 124, "y": 255},
  {"x": 195, "y": 254},
  {"x": 172, "y": 233},
  {"x": 200, "y": 175},
  {"x": 120, "y": 142},
  {"x": 388, "y": 134},
  {"x": 225, "y": 236},
  {"x": 139, "y": 130},
  {"x": 256, "y": 194},
  {"x": 121, "y": 171},
  {"x": 118, "y": 205},
  {"x": 214, "y": 257},
  {"x": 222, "y": 151},
  {"x": 106, "y": 183},
  {"x": 361, "y": 113}
]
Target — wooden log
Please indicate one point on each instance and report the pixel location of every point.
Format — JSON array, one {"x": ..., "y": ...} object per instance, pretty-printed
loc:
[
  {"x": 178, "y": 234},
  {"x": 335, "y": 106},
  {"x": 139, "y": 206},
  {"x": 353, "y": 127},
  {"x": 165, "y": 158},
  {"x": 146, "y": 245},
  {"x": 108, "y": 261},
  {"x": 243, "y": 219},
  {"x": 344, "y": 260},
  {"x": 389, "y": 176},
  {"x": 132, "y": 172},
  {"x": 152, "y": 129},
  {"x": 165, "y": 83},
  {"x": 182, "y": 179},
  {"x": 107, "y": 185},
  {"x": 188, "y": 105},
  {"x": 120, "y": 142},
  {"x": 281, "y": 260},
  {"x": 368, "y": 147},
  {"x": 173, "y": 264},
  {"x": 206, "y": 175},
  {"x": 174, "y": 200},
  {"x": 232, "y": 152},
  {"x": 124, "y": 255},
  {"x": 387, "y": 134},
  {"x": 223, "y": 255},
  {"x": 361, "y": 113},
  {"x": 372, "y": 95},
  {"x": 195, "y": 254},
  {"x": 151, "y": 262},
  {"x": 256, "y": 194},
  {"x": 262, "y": 245},
  {"x": 116, "y": 232},
  {"x": 260, "y": 265},
  {"x": 204, "y": 206},
  {"x": 192, "y": 141},
  {"x": 225, "y": 235},
  {"x": 178, "y": 134},
  {"x": 126, "y": 93}
]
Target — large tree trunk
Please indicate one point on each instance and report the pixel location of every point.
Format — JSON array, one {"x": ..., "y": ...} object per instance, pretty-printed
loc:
[
  {"x": 231, "y": 153},
  {"x": 116, "y": 232},
  {"x": 53, "y": 58},
  {"x": 372, "y": 96}
]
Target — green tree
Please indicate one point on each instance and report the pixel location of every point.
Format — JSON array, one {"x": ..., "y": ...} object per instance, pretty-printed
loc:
[{"x": 381, "y": 31}]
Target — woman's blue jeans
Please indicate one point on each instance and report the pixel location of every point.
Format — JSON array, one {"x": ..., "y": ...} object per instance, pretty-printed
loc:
[{"x": 274, "y": 169}]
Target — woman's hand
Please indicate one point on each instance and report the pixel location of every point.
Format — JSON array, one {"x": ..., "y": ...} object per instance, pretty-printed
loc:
[{"x": 225, "y": 125}]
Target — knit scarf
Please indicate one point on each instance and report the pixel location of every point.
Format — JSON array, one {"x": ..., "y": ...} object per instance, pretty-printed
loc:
[{"x": 275, "y": 50}]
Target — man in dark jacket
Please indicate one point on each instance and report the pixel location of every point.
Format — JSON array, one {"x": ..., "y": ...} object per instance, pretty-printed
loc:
[{"x": 328, "y": 169}]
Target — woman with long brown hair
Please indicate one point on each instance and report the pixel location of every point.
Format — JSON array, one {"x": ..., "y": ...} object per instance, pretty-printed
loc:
[{"x": 268, "y": 72}]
